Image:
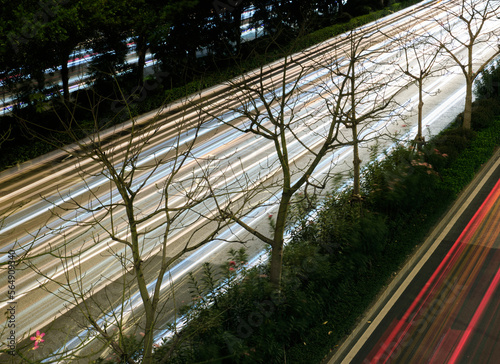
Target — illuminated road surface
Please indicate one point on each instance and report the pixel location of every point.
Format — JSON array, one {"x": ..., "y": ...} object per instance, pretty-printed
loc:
[
  {"x": 456, "y": 318},
  {"x": 450, "y": 312},
  {"x": 29, "y": 220}
]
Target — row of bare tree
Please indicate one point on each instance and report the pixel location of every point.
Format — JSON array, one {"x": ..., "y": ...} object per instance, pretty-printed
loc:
[{"x": 162, "y": 195}]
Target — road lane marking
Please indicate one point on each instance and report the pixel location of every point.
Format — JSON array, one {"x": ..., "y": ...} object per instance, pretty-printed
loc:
[{"x": 388, "y": 306}]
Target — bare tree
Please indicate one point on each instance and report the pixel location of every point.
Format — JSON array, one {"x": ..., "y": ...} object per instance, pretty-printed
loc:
[
  {"x": 356, "y": 94},
  {"x": 144, "y": 203},
  {"x": 274, "y": 104},
  {"x": 418, "y": 62},
  {"x": 5, "y": 135},
  {"x": 467, "y": 25}
]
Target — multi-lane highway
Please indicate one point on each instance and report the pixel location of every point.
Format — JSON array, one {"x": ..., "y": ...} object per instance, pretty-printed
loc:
[
  {"x": 78, "y": 76},
  {"x": 62, "y": 202},
  {"x": 81, "y": 58}
]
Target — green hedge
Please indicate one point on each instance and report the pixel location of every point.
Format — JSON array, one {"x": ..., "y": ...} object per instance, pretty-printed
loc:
[
  {"x": 335, "y": 267},
  {"x": 462, "y": 170},
  {"x": 403, "y": 178}
]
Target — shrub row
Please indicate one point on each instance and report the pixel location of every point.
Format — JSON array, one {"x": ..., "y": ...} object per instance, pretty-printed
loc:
[{"x": 334, "y": 267}]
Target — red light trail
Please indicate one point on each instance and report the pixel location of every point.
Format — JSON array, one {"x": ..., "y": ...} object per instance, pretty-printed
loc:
[{"x": 446, "y": 314}]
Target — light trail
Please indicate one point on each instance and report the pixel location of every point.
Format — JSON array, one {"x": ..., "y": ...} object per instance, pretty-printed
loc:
[
  {"x": 220, "y": 142},
  {"x": 461, "y": 264}
]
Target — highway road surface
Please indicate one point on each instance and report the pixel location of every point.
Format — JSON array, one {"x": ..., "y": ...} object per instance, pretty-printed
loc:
[
  {"x": 65, "y": 203},
  {"x": 81, "y": 58},
  {"x": 445, "y": 306}
]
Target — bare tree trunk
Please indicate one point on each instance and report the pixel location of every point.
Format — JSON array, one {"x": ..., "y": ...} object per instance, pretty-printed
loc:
[
  {"x": 141, "y": 55},
  {"x": 419, "y": 138},
  {"x": 356, "y": 190},
  {"x": 468, "y": 107},
  {"x": 276, "y": 262},
  {"x": 469, "y": 80},
  {"x": 148, "y": 338},
  {"x": 65, "y": 78},
  {"x": 278, "y": 240}
]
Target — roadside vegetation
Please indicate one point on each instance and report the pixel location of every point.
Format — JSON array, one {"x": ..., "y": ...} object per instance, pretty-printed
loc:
[{"x": 336, "y": 263}]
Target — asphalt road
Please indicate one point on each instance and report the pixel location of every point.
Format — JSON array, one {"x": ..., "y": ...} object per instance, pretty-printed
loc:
[{"x": 443, "y": 307}]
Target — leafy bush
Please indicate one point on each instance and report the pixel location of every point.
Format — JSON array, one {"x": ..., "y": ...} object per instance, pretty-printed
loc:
[
  {"x": 488, "y": 85},
  {"x": 462, "y": 170},
  {"x": 344, "y": 18},
  {"x": 362, "y": 10},
  {"x": 452, "y": 141},
  {"x": 484, "y": 112}
]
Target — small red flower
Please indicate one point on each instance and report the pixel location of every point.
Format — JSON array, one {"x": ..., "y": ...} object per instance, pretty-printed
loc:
[
  {"x": 38, "y": 338},
  {"x": 232, "y": 262},
  {"x": 231, "y": 269}
]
